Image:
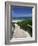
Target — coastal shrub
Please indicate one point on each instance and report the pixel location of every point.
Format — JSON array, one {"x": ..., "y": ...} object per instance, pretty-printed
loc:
[{"x": 24, "y": 26}]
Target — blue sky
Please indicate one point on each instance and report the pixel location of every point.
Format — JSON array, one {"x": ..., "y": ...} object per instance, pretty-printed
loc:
[{"x": 20, "y": 11}]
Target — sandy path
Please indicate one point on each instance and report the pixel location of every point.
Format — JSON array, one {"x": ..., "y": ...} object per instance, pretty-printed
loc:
[{"x": 20, "y": 33}]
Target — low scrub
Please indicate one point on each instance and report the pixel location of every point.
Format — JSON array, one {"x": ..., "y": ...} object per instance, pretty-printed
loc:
[{"x": 24, "y": 26}]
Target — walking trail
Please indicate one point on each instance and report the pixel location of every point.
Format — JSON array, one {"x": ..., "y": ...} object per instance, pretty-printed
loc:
[{"x": 20, "y": 33}]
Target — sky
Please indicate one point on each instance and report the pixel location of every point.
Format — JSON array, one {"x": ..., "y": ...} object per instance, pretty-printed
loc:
[{"x": 20, "y": 11}]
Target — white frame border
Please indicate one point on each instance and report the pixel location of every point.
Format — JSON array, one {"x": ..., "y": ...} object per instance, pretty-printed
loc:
[{"x": 7, "y": 24}]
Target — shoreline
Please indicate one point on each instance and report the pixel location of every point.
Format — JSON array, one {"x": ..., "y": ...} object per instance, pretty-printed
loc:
[{"x": 17, "y": 20}]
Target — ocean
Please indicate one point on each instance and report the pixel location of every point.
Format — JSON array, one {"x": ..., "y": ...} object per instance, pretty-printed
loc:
[{"x": 18, "y": 19}]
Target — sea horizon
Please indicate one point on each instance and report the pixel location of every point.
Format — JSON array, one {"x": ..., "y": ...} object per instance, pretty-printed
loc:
[{"x": 18, "y": 19}]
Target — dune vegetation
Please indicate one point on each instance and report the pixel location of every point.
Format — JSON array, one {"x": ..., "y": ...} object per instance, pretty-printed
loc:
[{"x": 25, "y": 26}]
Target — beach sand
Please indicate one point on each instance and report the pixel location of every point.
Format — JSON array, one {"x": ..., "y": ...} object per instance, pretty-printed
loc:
[{"x": 20, "y": 33}]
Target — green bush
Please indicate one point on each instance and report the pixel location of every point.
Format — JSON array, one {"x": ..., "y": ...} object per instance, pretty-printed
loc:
[{"x": 23, "y": 25}]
